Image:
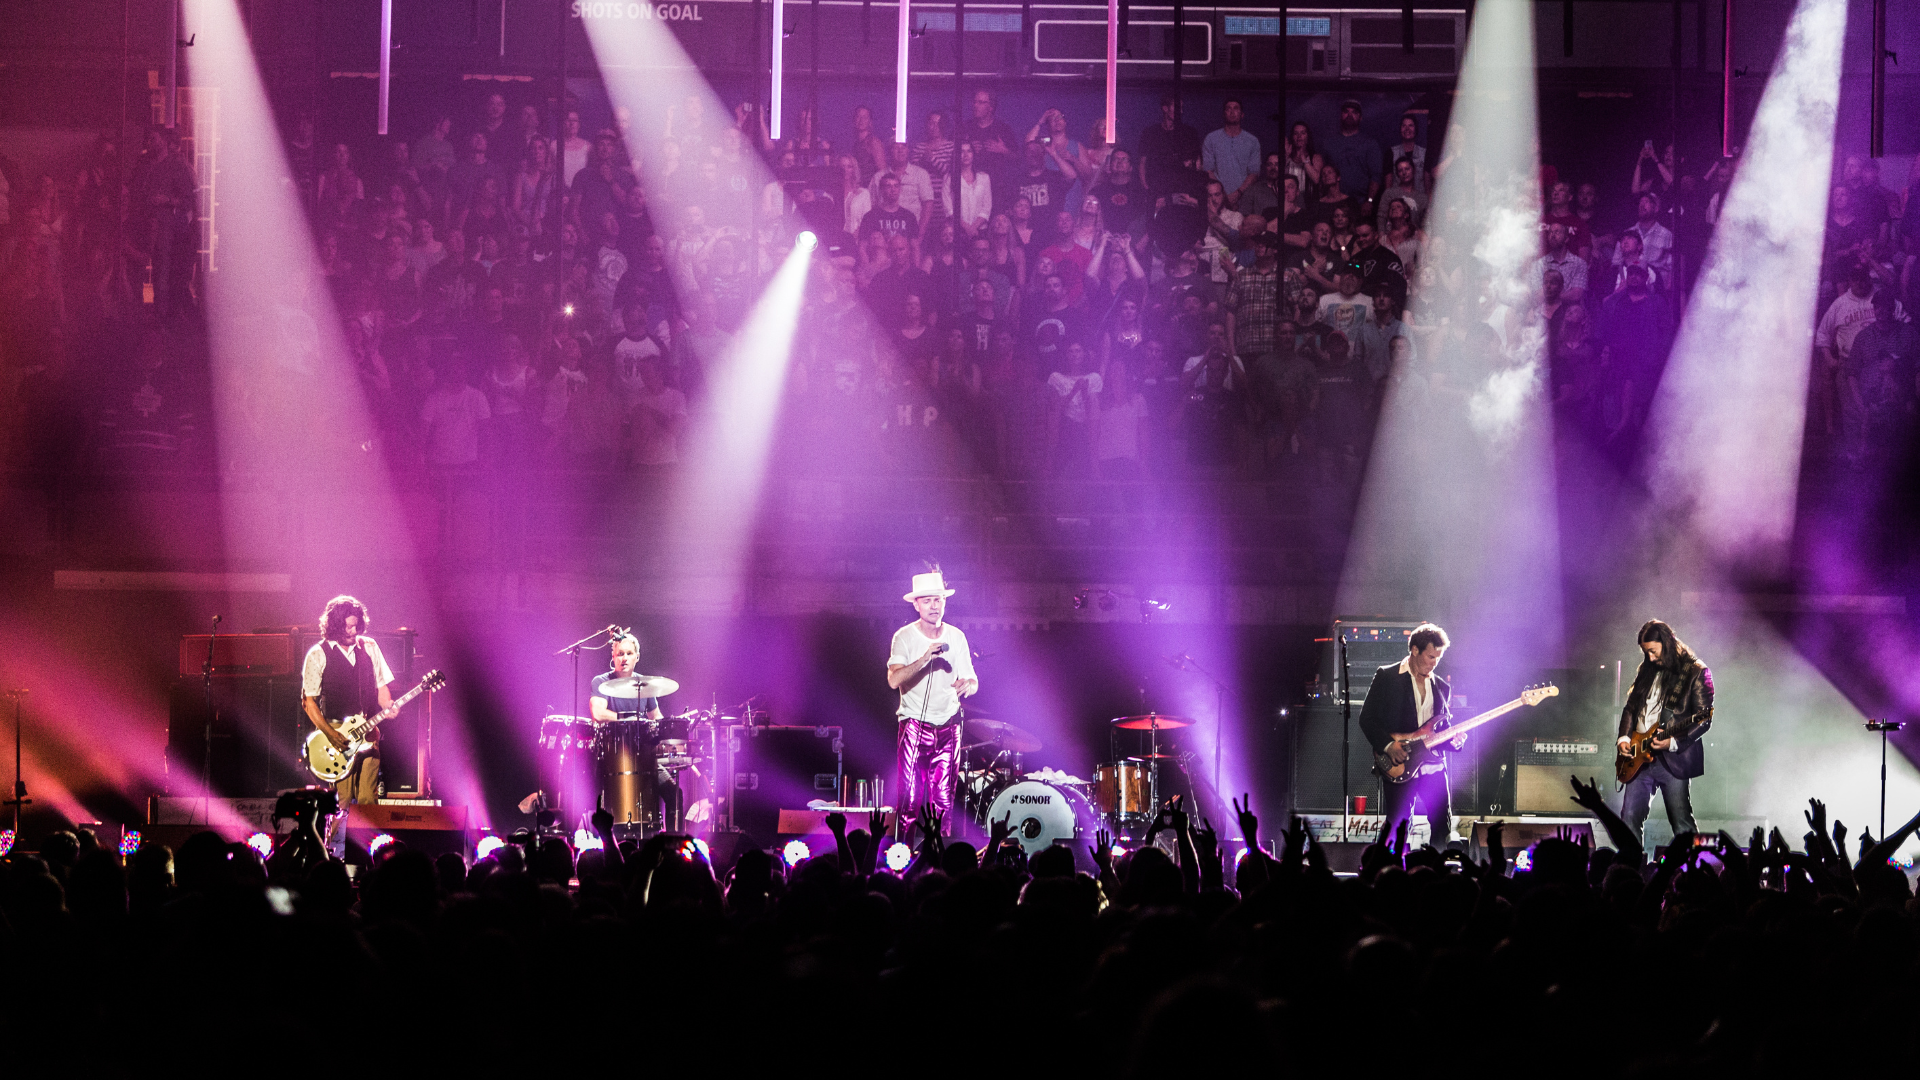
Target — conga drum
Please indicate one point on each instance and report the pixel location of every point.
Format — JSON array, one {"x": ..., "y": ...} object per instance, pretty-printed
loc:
[{"x": 624, "y": 772}]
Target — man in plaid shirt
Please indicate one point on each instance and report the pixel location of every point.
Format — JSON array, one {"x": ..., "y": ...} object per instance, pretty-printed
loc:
[{"x": 1253, "y": 304}]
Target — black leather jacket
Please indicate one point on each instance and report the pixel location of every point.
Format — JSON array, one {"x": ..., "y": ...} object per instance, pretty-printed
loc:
[{"x": 1687, "y": 710}]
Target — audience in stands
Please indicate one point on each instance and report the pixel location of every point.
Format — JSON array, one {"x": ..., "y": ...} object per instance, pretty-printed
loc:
[{"x": 439, "y": 251}]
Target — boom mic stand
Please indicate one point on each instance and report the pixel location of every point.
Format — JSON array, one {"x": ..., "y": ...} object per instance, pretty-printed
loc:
[{"x": 574, "y": 650}]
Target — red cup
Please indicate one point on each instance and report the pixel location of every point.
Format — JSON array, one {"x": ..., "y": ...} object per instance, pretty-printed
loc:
[{"x": 1359, "y": 804}]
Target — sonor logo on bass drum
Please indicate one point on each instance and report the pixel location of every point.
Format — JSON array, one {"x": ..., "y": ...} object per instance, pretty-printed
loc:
[{"x": 1032, "y": 800}]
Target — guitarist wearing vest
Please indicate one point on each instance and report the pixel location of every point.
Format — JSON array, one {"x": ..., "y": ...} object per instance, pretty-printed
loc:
[
  {"x": 1669, "y": 712},
  {"x": 1402, "y": 698},
  {"x": 345, "y": 675}
]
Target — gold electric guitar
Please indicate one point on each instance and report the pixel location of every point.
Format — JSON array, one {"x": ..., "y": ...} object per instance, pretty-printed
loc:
[
  {"x": 1418, "y": 744},
  {"x": 332, "y": 763}
]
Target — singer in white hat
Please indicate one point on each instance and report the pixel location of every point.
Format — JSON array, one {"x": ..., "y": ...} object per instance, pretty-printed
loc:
[{"x": 932, "y": 667}]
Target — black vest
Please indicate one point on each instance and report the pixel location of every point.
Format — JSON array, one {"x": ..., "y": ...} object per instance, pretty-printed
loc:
[{"x": 346, "y": 689}]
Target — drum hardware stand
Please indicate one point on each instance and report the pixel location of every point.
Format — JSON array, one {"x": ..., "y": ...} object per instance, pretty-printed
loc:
[
  {"x": 1884, "y": 727},
  {"x": 19, "y": 799}
]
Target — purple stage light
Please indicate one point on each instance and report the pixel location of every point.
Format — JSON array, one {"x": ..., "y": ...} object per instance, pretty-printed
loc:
[
  {"x": 796, "y": 852},
  {"x": 378, "y": 842},
  {"x": 129, "y": 842},
  {"x": 899, "y": 857},
  {"x": 6, "y": 841},
  {"x": 487, "y": 846}
]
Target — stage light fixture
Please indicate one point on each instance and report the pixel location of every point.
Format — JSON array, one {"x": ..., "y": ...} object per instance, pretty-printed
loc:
[
  {"x": 586, "y": 841},
  {"x": 1116, "y": 851},
  {"x": 6, "y": 841},
  {"x": 899, "y": 857},
  {"x": 261, "y": 843},
  {"x": 807, "y": 241},
  {"x": 374, "y": 845},
  {"x": 796, "y": 852},
  {"x": 129, "y": 841},
  {"x": 487, "y": 846}
]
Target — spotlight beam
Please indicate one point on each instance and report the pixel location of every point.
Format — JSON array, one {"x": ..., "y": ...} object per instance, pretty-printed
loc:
[
  {"x": 1744, "y": 345},
  {"x": 1458, "y": 519}
]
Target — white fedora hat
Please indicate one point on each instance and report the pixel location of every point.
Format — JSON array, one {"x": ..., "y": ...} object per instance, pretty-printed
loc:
[{"x": 932, "y": 584}]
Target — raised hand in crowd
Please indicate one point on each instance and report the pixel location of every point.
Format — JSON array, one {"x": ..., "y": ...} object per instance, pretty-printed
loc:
[{"x": 1624, "y": 840}]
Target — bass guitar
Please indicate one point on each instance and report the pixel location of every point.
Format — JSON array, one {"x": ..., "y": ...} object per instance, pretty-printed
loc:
[
  {"x": 332, "y": 763},
  {"x": 1419, "y": 744}
]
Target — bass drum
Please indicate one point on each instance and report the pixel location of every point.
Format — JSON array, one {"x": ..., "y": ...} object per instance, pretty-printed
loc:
[{"x": 1043, "y": 815}]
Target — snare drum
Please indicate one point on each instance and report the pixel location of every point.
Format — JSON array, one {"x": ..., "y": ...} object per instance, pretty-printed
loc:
[{"x": 1120, "y": 788}]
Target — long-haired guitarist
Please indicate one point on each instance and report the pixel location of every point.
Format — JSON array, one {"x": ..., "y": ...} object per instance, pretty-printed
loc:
[
  {"x": 1669, "y": 710},
  {"x": 1403, "y": 698},
  {"x": 345, "y": 675}
]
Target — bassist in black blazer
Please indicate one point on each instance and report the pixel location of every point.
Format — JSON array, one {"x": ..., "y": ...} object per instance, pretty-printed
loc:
[{"x": 1404, "y": 696}]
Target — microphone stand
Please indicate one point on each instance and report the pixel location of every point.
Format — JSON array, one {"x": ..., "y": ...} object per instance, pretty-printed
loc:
[
  {"x": 1885, "y": 728},
  {"x": 19, "y": 799},
  {"x": 574, "y": 650},
  {"x": 1346, "y": 738},
  {"x": 206, "y": 747},
  {"x": 1188, "y": 663}
]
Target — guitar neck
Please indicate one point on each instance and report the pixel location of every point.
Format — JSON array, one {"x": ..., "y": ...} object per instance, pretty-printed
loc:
[
  {"x": 398, "y": 703},
  {"x": 1489, "y": 716}
]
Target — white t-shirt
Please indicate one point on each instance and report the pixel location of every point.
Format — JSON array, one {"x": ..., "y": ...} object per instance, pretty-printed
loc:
[
  {"x": 316, "y": 663},
  {"x": 453, "y": 420},
  {"x": 932, "y": 698},
  {"x": 1076, "y": 404},
  {"x": 855, "y": 211},
  {"x": 654, "y": 442},
  {"x": 627, "y": 354},
  {"x": 1650, "y": 715}
]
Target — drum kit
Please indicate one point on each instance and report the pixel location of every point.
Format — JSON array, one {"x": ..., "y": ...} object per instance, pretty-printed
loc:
[
  {"x": 652, "y": 775},
  {"x": 1044, "y": 806}
]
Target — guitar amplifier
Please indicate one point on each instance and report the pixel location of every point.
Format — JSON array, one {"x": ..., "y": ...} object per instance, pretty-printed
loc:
[
  {"x": 781, "y": 767},
  {"x": 425, "y": 825},
  {"x": 1541, "y": 767},
  {"x": 238, "y": 654}
]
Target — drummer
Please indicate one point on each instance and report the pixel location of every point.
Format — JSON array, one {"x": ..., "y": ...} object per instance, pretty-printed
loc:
[{"x": 608, "y": 702}]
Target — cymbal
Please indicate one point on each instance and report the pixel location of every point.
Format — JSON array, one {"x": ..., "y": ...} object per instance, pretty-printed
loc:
[
  {"x": 1151, "y": 757},
  {"x": 638, "y": 686},
  {"x": 1005, "y": 735},
  {"x": 1150, "y": 722}
]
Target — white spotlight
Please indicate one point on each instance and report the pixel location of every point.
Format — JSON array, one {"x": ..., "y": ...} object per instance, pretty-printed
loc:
[{"x": 807, "y": 241}]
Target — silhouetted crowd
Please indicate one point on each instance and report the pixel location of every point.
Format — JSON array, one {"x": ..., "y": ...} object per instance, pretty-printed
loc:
[{"x": 1714, "y": 957}]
